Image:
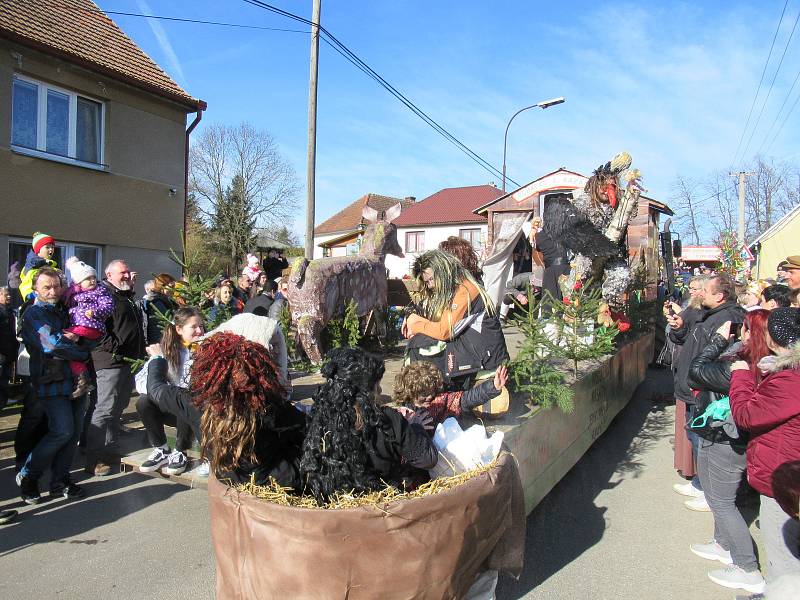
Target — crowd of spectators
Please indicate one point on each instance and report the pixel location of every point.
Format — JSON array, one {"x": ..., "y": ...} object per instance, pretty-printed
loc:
[{"x": 735, "y": 357}]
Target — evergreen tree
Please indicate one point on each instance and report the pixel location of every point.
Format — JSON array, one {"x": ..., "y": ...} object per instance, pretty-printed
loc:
[
  {"x": 535, "y": 370},
  {"x": 234, "y": 223}
]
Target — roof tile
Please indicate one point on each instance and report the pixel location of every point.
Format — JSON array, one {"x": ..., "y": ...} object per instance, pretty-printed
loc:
[
  {"x": 450, "y": 205},
  {"x": 350, "y": 217},
  {"x": 79, "y": 29}
]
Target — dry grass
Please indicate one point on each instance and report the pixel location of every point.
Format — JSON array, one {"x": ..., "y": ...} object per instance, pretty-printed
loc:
[{"x": 283, "y": 496}]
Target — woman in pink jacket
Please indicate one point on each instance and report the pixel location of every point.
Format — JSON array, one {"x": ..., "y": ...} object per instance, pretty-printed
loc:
[{"x": 770, "y": 410}]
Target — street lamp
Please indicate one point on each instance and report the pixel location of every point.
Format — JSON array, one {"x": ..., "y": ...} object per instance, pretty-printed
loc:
[{"x": 543, "y": 104}]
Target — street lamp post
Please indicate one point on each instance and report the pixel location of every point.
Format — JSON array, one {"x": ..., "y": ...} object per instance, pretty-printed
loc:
[{"x": 543, "y": 104}]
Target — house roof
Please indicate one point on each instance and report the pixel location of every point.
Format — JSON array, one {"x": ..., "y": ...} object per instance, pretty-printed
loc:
[
  {"x": 450, "y": 205},
  {"x": 656, "y": 205},
  {"x": 779, "y": 224},
  {"x": 482, "y": 208},
  {"x": 350, "y": 218},
  {"x": 78, "y": 31}
]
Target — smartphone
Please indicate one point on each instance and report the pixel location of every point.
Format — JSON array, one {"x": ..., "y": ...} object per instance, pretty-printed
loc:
[
  {"x": 670, "y": 311},
  {"x": 736, "y": 330}
]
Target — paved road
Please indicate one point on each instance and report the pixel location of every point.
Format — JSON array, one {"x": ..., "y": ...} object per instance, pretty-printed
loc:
[{"x": 612, "y": 528}]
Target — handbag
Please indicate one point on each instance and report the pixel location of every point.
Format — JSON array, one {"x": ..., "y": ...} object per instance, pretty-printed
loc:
[{"x": 710, "y": 424}]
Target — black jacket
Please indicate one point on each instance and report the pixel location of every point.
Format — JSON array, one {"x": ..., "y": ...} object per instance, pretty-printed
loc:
[
  {"x": 125, "y": 336},
  {"x": 171, "y": 398},
  {"x": 401, "y": 450},
  {"x": 152, "y": 304},
  {"x": 710, "y": 374},
  {"x": 8, "y": 338},
  {"x": 694, "y": 337}
]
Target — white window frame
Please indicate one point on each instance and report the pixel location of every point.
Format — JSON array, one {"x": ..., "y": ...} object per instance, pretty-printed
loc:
[
  {"x": 41, "y": 126},
  {"x": 67, "y": 250},
  {"x": 478, "y": 243},
  {"x": 416, "y": 233}
]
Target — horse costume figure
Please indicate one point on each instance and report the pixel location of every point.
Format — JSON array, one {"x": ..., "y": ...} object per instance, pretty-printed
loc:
[{"x": 321, "y": 289}]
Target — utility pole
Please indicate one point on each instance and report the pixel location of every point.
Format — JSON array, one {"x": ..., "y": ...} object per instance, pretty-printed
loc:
[
  {"x": 312, "y": 130},
  {"x": 741, "y": 175}
]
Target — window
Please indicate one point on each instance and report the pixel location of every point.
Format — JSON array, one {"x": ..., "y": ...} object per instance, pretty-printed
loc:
[
  {"x": 18, "y": 251},
  {"x": 415, "y": 241},
  {"x": 473, "y": 236},
  {"x": 53, "y": 123}
]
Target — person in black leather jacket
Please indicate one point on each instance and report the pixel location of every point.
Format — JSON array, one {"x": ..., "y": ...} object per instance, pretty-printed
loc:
[{"x": 721, "y": 462}]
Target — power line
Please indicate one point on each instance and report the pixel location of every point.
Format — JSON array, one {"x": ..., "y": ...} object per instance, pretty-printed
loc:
[
  {"x": 780, "y": 110},
  {"x": 772, "y": 83},
  {"x": 760, "y": 81},
  {"x": 354, "y": 59},
  {"x": 789, "y": 114}
]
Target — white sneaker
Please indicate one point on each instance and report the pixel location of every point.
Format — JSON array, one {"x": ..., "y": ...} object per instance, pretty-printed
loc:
[
  {"x": 698, "y": 504},
  {"x": 203, "y": 470},
  {"x": 687, "y": 489},
  {"x": 176, "y": 463},
  {"x": 157, "y": 459},
  {"x": 737, "y": 578},
  {"x": 712, "y": 551}
]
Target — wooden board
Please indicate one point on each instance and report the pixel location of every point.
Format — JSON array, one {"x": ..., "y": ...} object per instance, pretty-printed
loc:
[{"x": 133, "y": 461}]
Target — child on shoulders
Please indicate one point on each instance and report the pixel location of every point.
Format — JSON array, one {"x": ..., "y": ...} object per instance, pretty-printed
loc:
[{"x": 43, "y": 248}]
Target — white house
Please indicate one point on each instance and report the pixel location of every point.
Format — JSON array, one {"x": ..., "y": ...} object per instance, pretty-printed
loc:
[
  {"x": 338, "y": 235},
  {"x": 449, "y": 212}
]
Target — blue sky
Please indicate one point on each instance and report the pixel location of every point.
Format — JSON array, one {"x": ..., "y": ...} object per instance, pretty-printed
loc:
[{"x": 670, "y": 82}]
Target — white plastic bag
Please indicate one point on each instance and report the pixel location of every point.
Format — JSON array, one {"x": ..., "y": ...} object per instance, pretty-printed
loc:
[{"x": 461, "y": 450}]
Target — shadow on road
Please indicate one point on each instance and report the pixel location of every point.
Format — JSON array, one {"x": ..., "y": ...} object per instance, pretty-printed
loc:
[
  {"x": 59, "y": 520},
  {"x": 568, "y": 522}
]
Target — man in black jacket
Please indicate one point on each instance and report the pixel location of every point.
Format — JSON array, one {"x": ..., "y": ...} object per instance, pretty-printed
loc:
[
  {"x": 692, "y": 330},
  {"x": 124, "y": 339}
]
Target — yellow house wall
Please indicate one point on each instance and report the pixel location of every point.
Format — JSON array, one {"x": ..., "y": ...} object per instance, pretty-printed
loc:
[
  {"x": 128, "y": 210},
  {"x": 777, "y": 247}
]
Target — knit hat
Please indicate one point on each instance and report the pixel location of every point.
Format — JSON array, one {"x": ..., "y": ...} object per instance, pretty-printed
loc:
[
  {"x": 79, "y": 270},
  {"x": 40, "y": 240},
  {"x": 783, "y": 325},
  {"x": 251, "y": 327}
]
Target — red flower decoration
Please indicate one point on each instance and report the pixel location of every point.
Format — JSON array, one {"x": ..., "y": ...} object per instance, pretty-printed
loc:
[
  {"x": 578, "y": 285},
  {"x": 623, "y": 326},
  {"x": 566, "y": 300}
]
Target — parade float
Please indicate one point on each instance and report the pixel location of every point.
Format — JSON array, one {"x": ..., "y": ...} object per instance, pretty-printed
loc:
[{"x": 436, "y": 543}]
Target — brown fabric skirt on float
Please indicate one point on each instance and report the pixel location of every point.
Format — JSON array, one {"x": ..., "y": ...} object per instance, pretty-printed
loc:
[
  {"x": 684, "y": 462},
  {"x": 423, "y": 548}
]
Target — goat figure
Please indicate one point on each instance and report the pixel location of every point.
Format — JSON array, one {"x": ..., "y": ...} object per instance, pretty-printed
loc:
[{"x": 320, "y": 290}]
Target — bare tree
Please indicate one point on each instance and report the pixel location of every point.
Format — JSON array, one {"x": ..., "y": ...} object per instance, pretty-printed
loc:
[
  {"x": 690, "y": 208},
  {"x": 264, "y": 180},
  {"x": 721, "y": 202}
]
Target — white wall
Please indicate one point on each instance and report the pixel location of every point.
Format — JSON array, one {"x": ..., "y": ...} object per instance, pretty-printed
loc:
[
  {"x": 434, "y": 234},
  {"x": 318, "y": 239}
]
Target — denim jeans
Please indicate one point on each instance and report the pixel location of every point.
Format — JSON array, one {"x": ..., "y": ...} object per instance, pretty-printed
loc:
[
  {"x": 31, "y": 428},
  {"x": 57, "y": 448},
  {"x": 722, "y": 469},
  {"x": 780, "y": 534}
]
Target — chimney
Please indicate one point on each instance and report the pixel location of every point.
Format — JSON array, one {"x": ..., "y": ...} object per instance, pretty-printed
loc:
[{"x": 410, "y": 199}]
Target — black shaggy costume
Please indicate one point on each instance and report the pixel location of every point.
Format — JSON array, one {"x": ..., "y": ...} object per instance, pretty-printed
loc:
[{"x": 353, "y": 445}]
